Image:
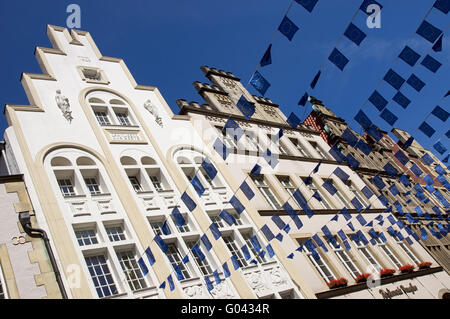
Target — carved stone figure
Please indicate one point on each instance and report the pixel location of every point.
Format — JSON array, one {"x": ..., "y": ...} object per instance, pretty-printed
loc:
[
  {"x": 64, "y": 106},
  {"x": 195, "y": 292},
  {"x": 153, "y": 111},
  {"x": 277, "y": 276},
  {"x": 256, "y": 282},
  {"x": 222, "y": 291}
]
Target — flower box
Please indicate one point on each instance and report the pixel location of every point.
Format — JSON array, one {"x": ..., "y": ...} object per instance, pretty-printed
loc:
[
  {"x": 424, "y": 265},
  {"x": 406, "y": 269},
  {"x": 362, "y": 277},
  {"x": 387, "y": 272},
  {"x": 338, "y": 283}
]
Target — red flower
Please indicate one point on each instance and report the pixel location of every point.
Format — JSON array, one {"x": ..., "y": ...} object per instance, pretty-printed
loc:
[
  {"x": 341, "y": 282},
  {"x": 424, "y": 265},
  {"x": 362, "y": 277},
  {"x": 387, "y": 272},
  {"x": 407, "y": 268}
]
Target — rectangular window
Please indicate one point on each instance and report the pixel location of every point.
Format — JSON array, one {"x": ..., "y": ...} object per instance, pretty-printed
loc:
[
  {"x": 115, "y": 233},
  {"x": 101, "y": 276},
  {"x": 227, "y": 140},
  {"x": 157, "y": 227},
  {"x": 409, "y": 252},
  {"x": 287, "y": 184},
  {"x": 320, "y": 265},
  {"x": 86, "y": 237},
  {"x": 220, "y": 223},
  {"x": 388, "y": 252},
  {"x": 319, "y": 150},
  {"x": 135, "y": 183},
  {"x": 3, "y": 292},
  {"x": 156, "y": 183},
  {"x": 371, "y": 260},
  {"x": 279, "y": 144},
  {"x": 123, "y": 119},
  {"x": 203, "y": 265},
  {"x": 299, "y": 147},
  {"x": 253, "y": 140},
  {"x": 66, "y": 187},
  {"x": 131, "y": 270},
  {"x": 313, "y": 188},
  {"x": 356, "y": 193},
  {"x": 234, "y": 250},
  {"x": 102, "y": 118},
  {"x": 339, "y": 195},
  {"x": 176, "y": 260},
  {"x": 247, "y": 237},
  {"x": 183, "y": 228},
  {"x": 345, "y": 258},
  {"x": 93, "y": 186},
  {"x": 266, "y": 191}
]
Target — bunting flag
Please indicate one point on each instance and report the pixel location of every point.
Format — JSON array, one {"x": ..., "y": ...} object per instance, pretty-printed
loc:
[
  {"x": 355, "y": 34},
  {"x": 364, "y": 6},
  {"x": 329, "y": 236},
  {"x": 304, "y": 99},
  {"x": 416, "y": 170},
  {"x": 364, "y": 147},
  {"x": 428, "y": 179},
  {"x": 143, "y": 266},
  {"x": 256, "y": 170},
  {"x": 293, "y": 214},
  {"x": 226, "y": 270},
  {"x": 293, "y": 121},
  {"x": 335, "y": 218},
  {"x": 389, "y": 117},
  {"x": 247, "y": 190},
  {"x": 315, "y": 80},
  {"x": 375, "y": 133},
  {"x": 328, "y": 185},
  {"x": 391, "y": 170},
  {"x": 429, "y": 32},
  {"x": 440, "y": 113},
  {"x": 408, "y": 142},
  {"x": 171, "y": 284},
  {"x": 344, "y": 239},
  {"x": 409, "y": 56},
  {"x": 267, "y": 57},
  {"x": 217, "y": 277},
  {"x": 361, "y": 219},
  {"x": 178, "y": 272},
  {"x": 246, "y": 252},
  {"x": 287, "y": 229},
  {"x": 378, "y": 101},
  {"x": 341, "y": 174},
  {"x": 317, "y": 196},
  {"x": 427, "y": 129},
  {"x": 288, "y": 28},
  {"x": 437, "y": 47},
  {"x": 198, "y": 252},
  {"x": 307, "y": 4},
  {"x": 357, "y": 204},
  {"x": 431, "y": 63},
  {"x": 338, "y": 59},
  {"x": 394, "y": 190},
  {"x": 178, "y": 218},
  {"x": 259, "y": 83},
  {"x": 344, "y": 211},
  {"x": 448, "y": 93},
  {"x": 161, "y": 243},
  {"x": 336, "y": 154},
  {"x": 350, "y": 225},
  {"x": 383, "y": 200},
  {"x": 440, "y": 148},
  {"x": 215, "y": 231},
  {"x": 190, "y": 204},
  {"x": 150, "y": 257},
  {"x": 165, "y": 228},
  {"x": 221, "y": 149},
  {"x": 394, "y": 79},
  {"x": 442, "y": 5},
  {"x": 209, "y": 284},
  {"x": 246, "y": 108},
  {"x": 363, "y": 120},
  {"x": 206, "y": 242},
  {"x": 267, "y": 232},
  {"x": 349, "y": 137},
  {"x": 440, "y": 170},
  {"x": 271, "y": 159},
  {"x": 316, "y": 169},
  {"x": 405, "y": 181},
  {"x": 402, "y": 100},
  {"x": 278, "y": 221},
  {"x": 235, "y": 262},
  {"x": 367, "y": 192},
  {"x": 255, "y": 243},
  {"x": 227, "y": 217},
  {"x": 270, "y": 250},
  {"x": 279, "y": 237},
  {"x": 163, "y": 285},
  {"x": 416, "y": 83},
  {"x": 233, "y": 129},
  {"x": 199, "y": 188},
  {"x": 401, "y": 157},
  {"x": 237, "y": 205},
  {"x": 319, "y": 242},
  {"x": 209, "y": 168},
  {"x": 423, "y": 234}
]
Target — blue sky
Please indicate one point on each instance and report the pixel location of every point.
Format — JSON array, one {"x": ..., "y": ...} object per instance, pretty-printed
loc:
[{"x": 164, "y": 43}]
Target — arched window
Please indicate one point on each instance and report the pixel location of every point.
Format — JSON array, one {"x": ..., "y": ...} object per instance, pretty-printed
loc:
[
  {"x": 114, "y": 112},
  {"x": 145, "y": 176}
]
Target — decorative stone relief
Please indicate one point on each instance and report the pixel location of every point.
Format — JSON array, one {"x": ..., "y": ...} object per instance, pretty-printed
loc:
[
  {"x": 79, "y": 209},
  {"x": 222, "y": 291},
  {"x": 215, "y": 119},
  {"x": 105, "y": 207},
  {"x": 64, "y": 106},
  {"x": 148, "y": 203},
  {"x": 277, "y": 277},
  {"x": 256, "y": 282},
  {"x": 153, "y": 110},
  {"x": 195, "y": 292}
]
